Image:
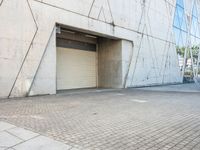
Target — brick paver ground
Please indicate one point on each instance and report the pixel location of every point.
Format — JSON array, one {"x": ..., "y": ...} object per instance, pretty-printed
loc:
[{"x": 113, "y": 120}]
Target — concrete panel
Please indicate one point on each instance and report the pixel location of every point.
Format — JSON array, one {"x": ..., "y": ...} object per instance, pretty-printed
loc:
[
  {"x": 17, "y": 29},
  {"x": 110, "y": 63},
  {"x": 127, "y": 59},
  {"x": 7, "y": 140},
  {"x": 45, "y": 78}
]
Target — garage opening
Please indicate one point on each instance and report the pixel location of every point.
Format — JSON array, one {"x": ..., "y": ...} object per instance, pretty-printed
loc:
[
  {"x": 77, "y": 60},
  {"x": 91, "y": 60}
]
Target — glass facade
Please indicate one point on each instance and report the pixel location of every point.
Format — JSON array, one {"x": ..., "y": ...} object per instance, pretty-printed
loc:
[{"x": 187, "y": 35}]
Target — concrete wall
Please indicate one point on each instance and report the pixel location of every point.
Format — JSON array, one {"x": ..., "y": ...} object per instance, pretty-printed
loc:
[
  {"x": 110, "y": 63},
  {"x": 27, "y": 26},
  {"x": 45, "y": 77},
  {"x": 114, "y": 60}
]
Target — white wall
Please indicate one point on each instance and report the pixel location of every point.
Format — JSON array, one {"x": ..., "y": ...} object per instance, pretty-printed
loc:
[
  {"x": 27, "y": 25},
  {"x": 44, "y": 82}
]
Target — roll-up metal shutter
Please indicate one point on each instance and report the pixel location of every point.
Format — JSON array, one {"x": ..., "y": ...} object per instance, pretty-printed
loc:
[{"x": 76, "y": 65}]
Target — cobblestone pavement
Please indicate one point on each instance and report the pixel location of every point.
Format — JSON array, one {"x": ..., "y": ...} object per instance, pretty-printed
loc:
[
  {"x": 14, "y": 138},
  {"x": 111, "y": 120}
]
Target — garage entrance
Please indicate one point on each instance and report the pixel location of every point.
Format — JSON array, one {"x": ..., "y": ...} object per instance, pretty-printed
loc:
[
  {"x": 76, "y": 60},
  {"x": 90, "y": 60}
]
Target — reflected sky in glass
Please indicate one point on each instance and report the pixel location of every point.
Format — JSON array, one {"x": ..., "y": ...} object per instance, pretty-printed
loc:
[{"x": 180, "y": 25}]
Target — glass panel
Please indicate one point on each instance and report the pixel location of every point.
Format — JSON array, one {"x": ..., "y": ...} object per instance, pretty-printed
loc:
[
  {"x": 198, "y": 41},
  {"x": 180, "y": 48},
  {"x": 181, "y": 43},
  {"x": 180, "y": 3},
  {"x": 198, "y": 31},
  {"x": 181, "y": 32},
  {"x": 188, "y": 74},
  {"x": 184, "y": 26},
  {"x": 180, "y": 15},
  {"x": 193, "y": 39},
  {"x": 176, "y": 20},
  {"x": 177, "y": 35},
  {"x": 195, "y": 52},
  {"x": 180, "y": 11},
  {"x": 194, "y": 11},
  {"x": 184, "y": 36},
  {"x": 180, "y": 29},
  {"x": 198, "y": 67},
  {"x": 193, "y": 26}
]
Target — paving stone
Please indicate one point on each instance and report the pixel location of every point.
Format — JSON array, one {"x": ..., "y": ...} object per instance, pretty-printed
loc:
[
  {"x": 111, "y": 120},
  {"x": 42, "y": 143},
  {"x": 1, "y": 148},
  {"x": 74, "y": 149},
  {"x": 8, "y": 140},
  {"x": 22, "y": 133},
  {"x": 5, "y": 126}
]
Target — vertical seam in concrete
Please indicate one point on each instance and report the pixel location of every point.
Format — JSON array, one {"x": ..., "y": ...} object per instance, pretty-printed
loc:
[
  {"x": 153, "y": 51},
  {"x": 32, "y": 13},
  {"x": 140, "y": 44},
  {"x": 165, "y": 64},
  {"x": 91, "y": 8},
  {"x": 101, "y": 9},
  {"x": 110, "y": 11},
  {"x": 28, "y": 93},
  {"x": 129, "y": 66},
  {"x": 167, "y": 45},
  {"x": 27, "y": 50},
  {"x": 137, "y": 56}
]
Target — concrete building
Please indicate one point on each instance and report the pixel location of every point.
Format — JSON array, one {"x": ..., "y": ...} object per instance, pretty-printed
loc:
[{"x": 51, "y": 45}]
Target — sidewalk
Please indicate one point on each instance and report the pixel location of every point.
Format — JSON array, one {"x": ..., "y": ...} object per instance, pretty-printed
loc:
[
  {"x": 14, "y": 138},
  {"x": 191, "y": 87}
]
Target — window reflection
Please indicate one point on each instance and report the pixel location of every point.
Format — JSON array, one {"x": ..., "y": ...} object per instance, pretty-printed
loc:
[{"x": 188, "y": 54}]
